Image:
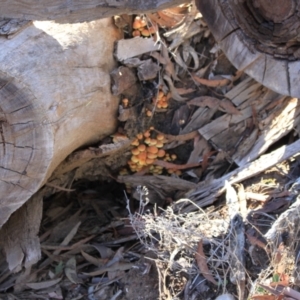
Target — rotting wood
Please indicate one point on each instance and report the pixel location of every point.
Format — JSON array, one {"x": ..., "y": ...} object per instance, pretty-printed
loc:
[
  {"x": 78, "y": 11},
  {"x": 207, "y": 191}
]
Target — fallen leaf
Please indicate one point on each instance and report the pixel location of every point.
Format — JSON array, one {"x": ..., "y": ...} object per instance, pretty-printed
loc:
[
  {"x": 159, "y": 58},
  {"x": 169, "y": 66},
  {"x": 183, "y": 91},
  {"x": 43, "y": 284},
  {"x": 168, "y": 17},
  {"x": 98, "y": 262},
  {"x": 168, "y": 165},
  {"x": 211, "y": 82},
  {"x": 254, "y": 241},
  {"x": 202, "y": 265},
  {"x": 181, "y": 137},
  {"x": 104, "y": 251},
  {"x": 205, "y": 101},
  {"x": 229, "y": 107},
  {"x": 70, "y": 271},
  {"x": 205, "y": 159},
  {"x": 174, "y": 93}
]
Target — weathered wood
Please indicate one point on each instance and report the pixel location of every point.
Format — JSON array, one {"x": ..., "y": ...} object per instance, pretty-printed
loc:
[
  {"x": 259, "y": 37},
  {"x": 77, "y": 11},
  {"x": 264, "y": 117},
  {"x": 52, "y": 77},
  {"x": 207, "y": 191},
  {"x": 24, "y": 224}
]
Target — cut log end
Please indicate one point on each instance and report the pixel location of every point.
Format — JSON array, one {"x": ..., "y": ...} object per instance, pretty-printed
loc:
[
  {"x": 260, "y": 37},
  {"x": 55, "y": 96}
]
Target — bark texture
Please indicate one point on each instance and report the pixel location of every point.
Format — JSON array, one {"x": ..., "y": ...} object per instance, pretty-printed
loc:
[
  {"x": 54, "y": 97},
  {"x": 77, "y": 11},
  {"x": 260, "y": 37}
]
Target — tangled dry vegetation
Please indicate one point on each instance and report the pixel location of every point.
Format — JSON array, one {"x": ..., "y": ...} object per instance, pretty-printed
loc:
[
  {"x": 200, "y": 183},
  {"x": 203, "y": 253}
]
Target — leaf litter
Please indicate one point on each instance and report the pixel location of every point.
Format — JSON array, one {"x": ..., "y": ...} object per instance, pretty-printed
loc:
[{"x": 162, "y": 227}]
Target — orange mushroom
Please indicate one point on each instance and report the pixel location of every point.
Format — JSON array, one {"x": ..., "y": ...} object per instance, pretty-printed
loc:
[
  {"x": 152, "y": 149},
  {"x": 161, "y": 153},
  {"x": 160, "y": 137},
  {"x": 135, "y": 151},
  {"x": 142, "y": 147},
  {"x": 151, "y": 155}
]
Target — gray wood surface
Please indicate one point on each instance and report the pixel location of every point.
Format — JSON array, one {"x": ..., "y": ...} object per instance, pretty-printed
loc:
[
  {"x": 266, "y": 51},
  {"x": 79, "y": 10},
  {"x": 54, "y": 97}
]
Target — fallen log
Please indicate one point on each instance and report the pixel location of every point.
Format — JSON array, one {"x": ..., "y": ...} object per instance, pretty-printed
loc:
[
  {"x": 78, "y": 11},
  {"x": 54, "y": 97}
]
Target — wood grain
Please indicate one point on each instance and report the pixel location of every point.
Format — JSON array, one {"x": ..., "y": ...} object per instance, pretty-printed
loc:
[
  {"x": 266, "y": 50},
  {"x": 78, "y": 10},
  {"x": 54, "y": 97}
]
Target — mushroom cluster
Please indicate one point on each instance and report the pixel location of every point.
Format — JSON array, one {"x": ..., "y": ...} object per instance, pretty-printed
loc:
[
  {"x": 141, "y": 28},
  {"x": 147, "y": 148},
  {"x": 162, "y": 100}
]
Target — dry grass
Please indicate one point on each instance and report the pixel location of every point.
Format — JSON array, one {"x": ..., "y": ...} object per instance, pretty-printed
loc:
[{"x": 174, "y": 239}]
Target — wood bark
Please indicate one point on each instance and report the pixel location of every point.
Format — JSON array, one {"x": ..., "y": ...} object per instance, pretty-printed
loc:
[
  {"x": 54, "y": 97},
  {"x": 259, "y": 37},
  {"x": 207, "y": 191},
  {"x": 77, "y": 11}
]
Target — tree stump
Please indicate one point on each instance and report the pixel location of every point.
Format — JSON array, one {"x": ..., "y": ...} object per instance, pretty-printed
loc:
[
  {"x": 54, "y": 97},
  {"x": 260, "y": 37}
]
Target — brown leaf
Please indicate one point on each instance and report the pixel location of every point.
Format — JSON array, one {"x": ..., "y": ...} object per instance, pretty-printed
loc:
[
  {"x": 204, "y": 101},
  {"x": 183, "y": 91},
  {"x": 169, "y": 66},
  {"x": 254, "y": 241},
  {"x": 206, "y": 157},
  {"x": 229, "y": 107},
  {"x": 168, "y": 165},
  {"x": 202, "y": 265},
  {"x": 159, "y": 57},
  {"x": 167, "y": 17},
  {"x": 211, "y": 82},
  {"x": 181, "y": 137}
]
